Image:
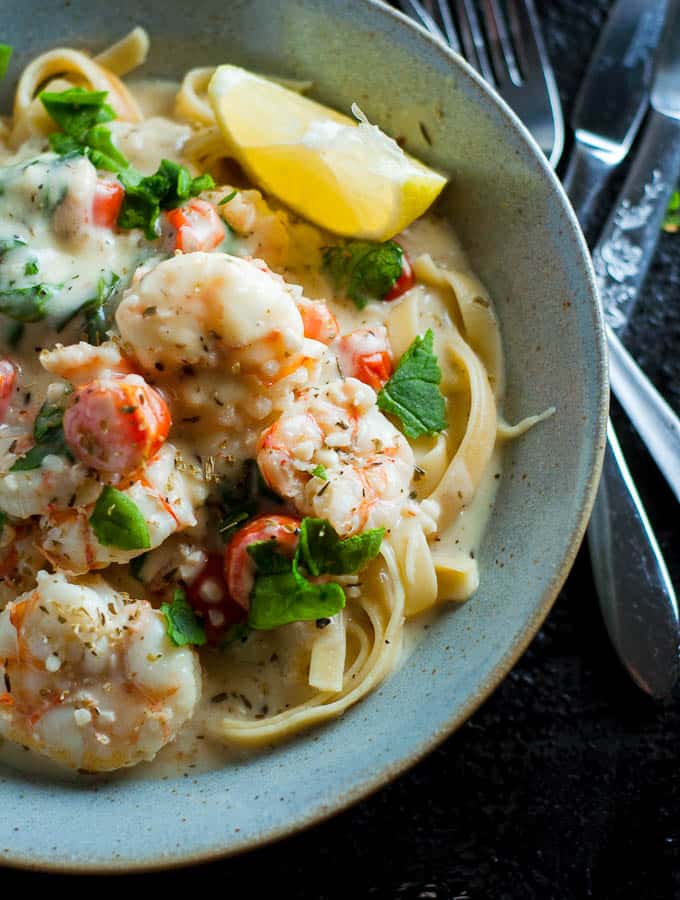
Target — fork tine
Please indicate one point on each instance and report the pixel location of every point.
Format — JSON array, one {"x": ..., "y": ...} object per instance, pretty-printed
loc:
[
  {"x": 417, "y": 11},
  {"x": 500, "y": 44},
  {"x": 449, "y": 27},
  {"x": 473, "y": 41}
]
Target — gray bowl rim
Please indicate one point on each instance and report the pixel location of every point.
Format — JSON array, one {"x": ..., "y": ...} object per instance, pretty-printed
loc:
[{"x": 505, "y": 664}]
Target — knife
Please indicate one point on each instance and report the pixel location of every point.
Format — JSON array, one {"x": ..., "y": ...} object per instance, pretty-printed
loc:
[
  {"x": 626, "y": 246},
  {"x": 612, "y": 100},
  {"x": 634, "y": 588}
]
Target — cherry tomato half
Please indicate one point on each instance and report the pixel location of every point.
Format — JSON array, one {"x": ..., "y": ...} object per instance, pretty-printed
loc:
[{"x": 239, "y": 568}]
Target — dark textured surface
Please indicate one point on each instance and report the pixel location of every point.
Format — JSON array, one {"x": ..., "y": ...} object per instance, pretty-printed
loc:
[{"x": 565, "y": 784}]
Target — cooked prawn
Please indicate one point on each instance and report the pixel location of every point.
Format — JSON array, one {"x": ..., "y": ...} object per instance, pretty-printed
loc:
[
  {"x": 20, "y": 560},
  {"x": 365, "y": 354},
  {"x": 80, "y": 363},
  {"x": 335, "y": 455},
  {"x": 165, "y": 497},
  {"x": 213, "y": 310},
  {"x": 91, "y": 678},
  {"x": 8, "y": 380}
]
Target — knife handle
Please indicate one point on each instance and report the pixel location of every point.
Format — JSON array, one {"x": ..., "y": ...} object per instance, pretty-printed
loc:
[
  {"x": 655, "y": 421},
  {"x": 635, "y": 590},
  {"x": 586, "y": 175},
  {"x": 630, "y": 236}
]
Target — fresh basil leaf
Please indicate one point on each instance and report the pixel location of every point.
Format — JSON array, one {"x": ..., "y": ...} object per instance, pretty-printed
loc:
[
  {"x": 65, "y": 144},
  {"x": 183, "y": 625},
  {"x": 76, "y": 110},
  {"x": 228, "y": 198},
  {"x": 32, "y": 267},
  {"x": 102, "y": 152},
  {"x": 320, "y": 472},
  {"x": 412, "y": 394},
  {"x": 267, "y": 559},
  {"x": 288, "y": 597},
  {"x": 54, "y": 444},
  {"x": 96, "y": 320},
  {"x": 49, "y": 418},
  {"x": 240, "y": 499},
  {"x": 5, "y": 56},
  {"x": 364, "y": 271},
  {"x": 145, "y": 196},
  {"x": 27, "y": 304},
  {"x": 322, "y": 551},
  {"x": 117, "y": 521}
]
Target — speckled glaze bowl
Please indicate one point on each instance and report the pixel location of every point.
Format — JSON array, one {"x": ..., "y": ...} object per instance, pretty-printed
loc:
[{"x": 523, "y": 239}]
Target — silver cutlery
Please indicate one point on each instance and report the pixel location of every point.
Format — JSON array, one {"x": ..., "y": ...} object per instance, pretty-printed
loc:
[
  {"x": 508, "y": 52},
  {"x": 635, "y": 591}
]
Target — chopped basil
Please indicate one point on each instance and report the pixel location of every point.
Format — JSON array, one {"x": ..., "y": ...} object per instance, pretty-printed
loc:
[
  {"x": 27, "y": 304},
  {"x": 31, "y": 267},
  {"x": 96, "y": 319},
  {"x": 76, "y": 110},
  {"x": 364, "y": 271},
  {"x": 281, "y": 592},
  {"x": 183, "y": 625},
  {"x": 322, "y": 551},
  {"x": 412, "y": 394},
  {"x": 671, "y": 220},
  {"x": 231, "y": 522},
  {"x": 320, "y": 472},
  {"x": 117, "y": 522},
  {"x": 48, "y": 435},
  {"x": 5, "y": 56},
  {"x": 145, "y": 195}
]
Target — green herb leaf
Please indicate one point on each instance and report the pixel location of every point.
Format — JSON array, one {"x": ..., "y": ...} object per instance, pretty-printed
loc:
[
  {"x": 32, "y": 267},
  {"x": 49, "y": 418},
  {"x": 117, "y": 522},
  {"x": 27, "y": 304},
  {"x": 5, "y": 56},
  {"x": 76, "y": 110},
  {"x": 102, "y": 152},
  {"x": 228, "y": 198},
  {"x": 145, "y": 196},
  {"x": 288, "y": 597},
  {"x": 241, "y": 499},
  {"x": 320, "y": 472},
  {"x": 412, "y": 394},
  {"x": 364, "y": 271},
  {"x": 183, "y": 625},
  {"x": 54, "y": 444},
  {"x": 96, "y": 320},
  {"x": 267, "y": 559},
  {"x": 322, "y": 551},
  {"x": 231, "y": 523}
]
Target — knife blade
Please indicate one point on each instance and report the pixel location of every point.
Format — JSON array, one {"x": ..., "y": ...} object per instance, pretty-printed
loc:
[
  {"x": 626, "y": 245},
  {"x": 612, "y": 100}
]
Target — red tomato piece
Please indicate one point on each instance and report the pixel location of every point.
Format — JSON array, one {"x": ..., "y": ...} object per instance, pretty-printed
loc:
[
  {"x": 8, "y": 381},
  {"x": 209, "y": 596},
  {"x": 197, "y": 226},
  {"x": 116, "y": 423},
  {"x": 404, "y": 282},
  {"x": 239, "y": 568},
  {"x": 318, "y": 321},
  {"x": 108, "y": 199},
  {"x": 365, "y": 354}
]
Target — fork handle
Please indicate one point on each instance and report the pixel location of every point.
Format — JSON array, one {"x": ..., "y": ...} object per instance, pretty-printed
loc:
[
  {"x": 635, "y": 590},
  {"x": 655, "y": 421},
  {"x": 587, "y": 173}
]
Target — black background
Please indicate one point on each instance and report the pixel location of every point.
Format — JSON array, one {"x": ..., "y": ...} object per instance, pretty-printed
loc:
[{"x": 566, "y": 783}]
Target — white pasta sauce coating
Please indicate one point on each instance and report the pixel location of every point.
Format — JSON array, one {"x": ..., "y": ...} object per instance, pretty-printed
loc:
[{"x": 91, "y": 678}]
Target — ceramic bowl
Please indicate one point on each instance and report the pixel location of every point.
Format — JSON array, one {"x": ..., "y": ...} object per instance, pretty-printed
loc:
[{"x": 523, "y": 239}]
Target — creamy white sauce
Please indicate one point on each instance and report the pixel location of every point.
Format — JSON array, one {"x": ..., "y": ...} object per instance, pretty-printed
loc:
[{"x": 267, "y": 674}]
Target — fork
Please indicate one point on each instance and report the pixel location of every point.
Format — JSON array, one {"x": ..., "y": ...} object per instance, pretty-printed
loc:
[{"x": 508, "y": 52}]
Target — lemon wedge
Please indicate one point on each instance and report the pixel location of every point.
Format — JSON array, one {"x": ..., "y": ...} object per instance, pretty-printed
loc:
[{"x": 345, "y": 176}]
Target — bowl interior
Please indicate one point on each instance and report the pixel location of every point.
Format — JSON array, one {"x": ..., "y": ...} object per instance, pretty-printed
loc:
[{"x": 523, "y": 240}]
